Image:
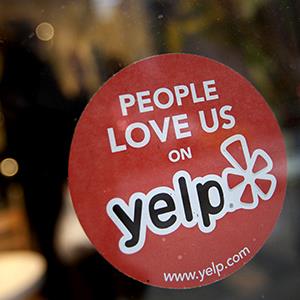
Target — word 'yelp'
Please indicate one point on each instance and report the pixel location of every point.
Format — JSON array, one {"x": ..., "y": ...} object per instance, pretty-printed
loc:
[{"x": 200, "y": 201}]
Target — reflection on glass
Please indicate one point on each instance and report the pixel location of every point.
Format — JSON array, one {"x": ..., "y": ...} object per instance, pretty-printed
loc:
[{"x": 9, "y": 167}]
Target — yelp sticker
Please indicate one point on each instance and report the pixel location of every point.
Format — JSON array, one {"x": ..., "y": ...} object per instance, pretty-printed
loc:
[{"x": 177, "y": 171}]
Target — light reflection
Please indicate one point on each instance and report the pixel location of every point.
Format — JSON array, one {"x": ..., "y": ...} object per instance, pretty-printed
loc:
[
  {"x": 45, "y": 31},
  {"x": 9, "y": 167}
]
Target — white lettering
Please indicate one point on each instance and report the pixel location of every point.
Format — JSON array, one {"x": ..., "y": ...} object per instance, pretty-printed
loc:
[
  {"x": 142, "y": 101},
  {"x": 227, "y": 117},
  {"x": 179, "y": 126},
  {"x": 208, "y": 90},
  {"x": 169, "y": 102},
  {"x": 146, "y": 133},
  {"x": 112, "y": 141},
  {"x": 181, "y": 91},
  {"x": 162, "y": 134},
  {"x": 126, "y": 101}
]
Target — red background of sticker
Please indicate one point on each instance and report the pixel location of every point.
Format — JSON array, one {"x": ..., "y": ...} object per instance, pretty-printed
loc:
[{"x": 96, "y": 175}]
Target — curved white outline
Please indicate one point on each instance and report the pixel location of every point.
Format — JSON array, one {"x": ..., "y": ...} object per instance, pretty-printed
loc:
[{"x": 236, "y": 193}]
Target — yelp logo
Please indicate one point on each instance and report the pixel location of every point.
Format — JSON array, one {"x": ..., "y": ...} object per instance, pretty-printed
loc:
[
  {"x": 195, "y": 202},
  {"x": 253, "y": 177}
]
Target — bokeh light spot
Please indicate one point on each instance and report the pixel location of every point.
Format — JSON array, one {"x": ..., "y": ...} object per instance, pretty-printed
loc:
[
  {"x": 45, "y": 31},
  {"x": 9, "y": 167}
]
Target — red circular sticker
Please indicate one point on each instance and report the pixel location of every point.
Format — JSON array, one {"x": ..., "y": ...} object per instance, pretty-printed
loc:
[{"x": 177, "y": 171}]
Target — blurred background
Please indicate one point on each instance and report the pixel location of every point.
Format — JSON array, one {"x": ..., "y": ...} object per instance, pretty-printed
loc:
[{"x": 54, "y": 55}]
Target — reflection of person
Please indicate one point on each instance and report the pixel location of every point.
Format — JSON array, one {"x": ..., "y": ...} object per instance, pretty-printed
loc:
[{"x": 39, "y": 124}]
